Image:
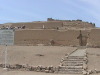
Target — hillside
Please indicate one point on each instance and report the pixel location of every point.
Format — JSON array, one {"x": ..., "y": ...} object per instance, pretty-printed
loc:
[{"x": 54, "y": 24}]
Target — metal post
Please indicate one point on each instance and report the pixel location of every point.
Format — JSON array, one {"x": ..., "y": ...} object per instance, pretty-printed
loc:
[{"x": 6, "y": 57}]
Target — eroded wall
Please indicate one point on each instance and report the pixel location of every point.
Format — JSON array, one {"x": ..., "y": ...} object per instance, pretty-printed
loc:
[
  {"x": 94, "y": 38},
  {"x": 34, "y": 37}
]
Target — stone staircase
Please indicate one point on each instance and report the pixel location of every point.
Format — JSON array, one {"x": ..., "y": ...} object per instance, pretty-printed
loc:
[{"x": 75, "y": 63}]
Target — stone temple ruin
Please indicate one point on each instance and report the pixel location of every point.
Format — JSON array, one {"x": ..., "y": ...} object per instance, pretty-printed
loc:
[
  {"x": 61, "y": 32},
  {"x": 72, "y": 33}
]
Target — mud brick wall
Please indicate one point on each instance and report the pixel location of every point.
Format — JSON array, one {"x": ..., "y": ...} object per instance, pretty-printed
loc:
[
  {"x": 34, "y": 37},
  {"x": 94, "y": 38}
]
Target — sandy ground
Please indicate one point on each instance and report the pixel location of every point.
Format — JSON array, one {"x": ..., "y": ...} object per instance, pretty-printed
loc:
[
  {"x": 51, "y": 55},
  {"x": 93, "y": 58},
  {"x": 35, "y": 55}
]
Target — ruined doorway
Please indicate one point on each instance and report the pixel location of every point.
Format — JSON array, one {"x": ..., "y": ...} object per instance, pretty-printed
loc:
[{"x": 82, "y": 39}]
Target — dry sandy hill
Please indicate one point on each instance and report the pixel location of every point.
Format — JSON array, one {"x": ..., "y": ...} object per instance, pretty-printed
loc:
[{"x": 62, "y": 24}]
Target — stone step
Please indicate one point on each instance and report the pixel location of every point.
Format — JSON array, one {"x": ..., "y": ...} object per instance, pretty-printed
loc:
[
  {"x": 71, "y": 71},
  {"x": 75, "y": 57},
  {"x": 65, "y": 72},
  {"x": 71, "y": 67},
  {"x": 73, "y": 62},
  {"x": 74, "y": 70}
]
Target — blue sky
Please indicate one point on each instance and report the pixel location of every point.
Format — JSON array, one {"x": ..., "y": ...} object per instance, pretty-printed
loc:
[{"x": 40, "y": 10}]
